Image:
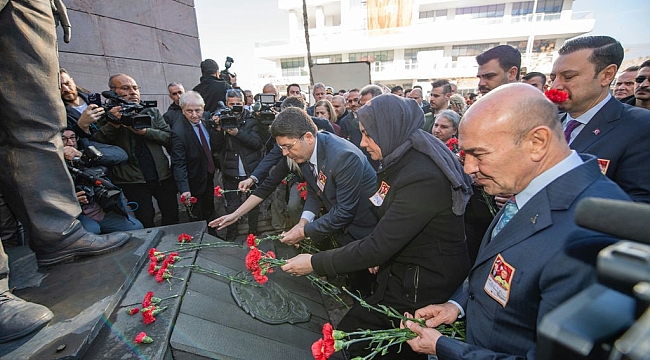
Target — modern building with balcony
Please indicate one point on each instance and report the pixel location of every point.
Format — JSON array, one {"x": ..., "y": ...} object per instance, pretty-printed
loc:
[{"x": 411, "y": 42}]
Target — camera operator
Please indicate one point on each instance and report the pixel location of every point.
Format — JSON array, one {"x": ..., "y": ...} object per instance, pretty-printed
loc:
[
  {"x": 212, "y": 88},
  {"x": 240, "y": 149},
  {"x": 80, "y": 113},
  {"x": 94, "y": 218},
  {"x": 147, "y": 172}
]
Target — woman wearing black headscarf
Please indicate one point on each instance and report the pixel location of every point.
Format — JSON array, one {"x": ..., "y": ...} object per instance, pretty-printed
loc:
[{"x": 418, "y": 244}]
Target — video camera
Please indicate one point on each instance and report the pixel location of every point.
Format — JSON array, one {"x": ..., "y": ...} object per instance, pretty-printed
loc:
[
  {"x": 92, "y": 180},
  {"x": 130, "y": 111},
  {"x": 227, "y": 117},
  {"x": 225, "y": 74},
  {"x": 265, "y": 109},
  {"x": 610, "y": 319}
]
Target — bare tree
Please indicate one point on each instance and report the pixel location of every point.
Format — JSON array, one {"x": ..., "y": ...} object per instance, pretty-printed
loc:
[{"x": 305, "y": 21}]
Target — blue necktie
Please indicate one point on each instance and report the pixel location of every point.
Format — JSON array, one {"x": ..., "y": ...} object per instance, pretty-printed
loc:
[{"x": 510, "y": 211}]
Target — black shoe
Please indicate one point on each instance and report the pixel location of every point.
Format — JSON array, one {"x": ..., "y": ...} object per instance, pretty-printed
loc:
[
  {"x": 87, "y": 245},
  {"x": 19, "y": 318}
]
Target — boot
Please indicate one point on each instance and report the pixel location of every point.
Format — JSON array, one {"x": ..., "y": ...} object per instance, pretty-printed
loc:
[
  {"x": 86, "y": 244},
  {"x": 18, "y": 317}
]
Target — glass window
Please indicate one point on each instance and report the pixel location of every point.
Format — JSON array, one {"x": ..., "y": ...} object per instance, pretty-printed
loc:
[
  {"x": 432, "y": 14},
  {"x": 292, "y": 66},
  {"x": 485, "y": 11},
  {"x": 543, "y": 6},
  {"x": 539, "y": 46},
  {"x": 470, "y": 50},
  {"x": 328, "y": 59},
  {"x": 372, "y": 56}
]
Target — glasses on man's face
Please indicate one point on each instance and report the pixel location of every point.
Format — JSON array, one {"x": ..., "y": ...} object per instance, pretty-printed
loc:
[
  {"x": 127, "y": 88},
  {"x": 72, "y": 138},
  {"x": 288, "y": 148},
  {"x": 641, "y": 79}
]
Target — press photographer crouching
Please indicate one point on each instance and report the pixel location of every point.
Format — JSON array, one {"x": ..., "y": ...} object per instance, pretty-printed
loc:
[
  {"x": 102, "y": 203},
  {"x": 142, "y": 133},
  {"x": 240, "y": 149}
]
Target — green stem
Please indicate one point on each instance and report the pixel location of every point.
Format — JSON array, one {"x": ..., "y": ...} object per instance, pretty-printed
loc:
[{"x": 386, "y": 310}]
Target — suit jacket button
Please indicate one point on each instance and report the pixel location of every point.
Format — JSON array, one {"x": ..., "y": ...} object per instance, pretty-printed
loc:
[{"x": 471, "y": 296}]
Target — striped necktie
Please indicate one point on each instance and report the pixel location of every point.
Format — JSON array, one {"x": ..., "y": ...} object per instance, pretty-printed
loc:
[{"x": 510, "y": 211}]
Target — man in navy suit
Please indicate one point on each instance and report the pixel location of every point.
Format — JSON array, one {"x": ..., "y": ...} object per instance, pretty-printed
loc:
[
  {"x": 338, "y": 178},
  {"x": 192, "y": 162},
  {"x": 522, "y": 271},
  {"x": 595, "y": 122}
]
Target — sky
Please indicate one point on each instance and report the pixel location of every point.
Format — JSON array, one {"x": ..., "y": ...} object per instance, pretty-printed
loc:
[{"x": 235, "y": 30}]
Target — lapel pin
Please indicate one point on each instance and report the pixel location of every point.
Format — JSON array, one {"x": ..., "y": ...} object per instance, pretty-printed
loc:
[
  {"x": 534, "y": 219},
  {"x": 597, "y": 131}
]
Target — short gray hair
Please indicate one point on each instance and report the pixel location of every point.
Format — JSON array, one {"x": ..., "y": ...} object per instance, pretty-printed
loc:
[
  {"x": 375, "y": 90},
  {"x": 191, "y": 98},
  {"x": 450, "y": 115}
]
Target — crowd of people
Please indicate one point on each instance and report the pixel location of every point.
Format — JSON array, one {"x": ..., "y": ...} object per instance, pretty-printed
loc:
[{"x": 411, "y": 219}]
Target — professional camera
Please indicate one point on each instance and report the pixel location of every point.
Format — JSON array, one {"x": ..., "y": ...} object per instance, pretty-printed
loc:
[
  {"x": 227, "y": 117},
  {"x": 225, "y": 74},
  {"x": 130, "y": 111},
  {"x": 93, "y": 181},
  {"x": 609, "y": 319},
  {"x": 265, "y": 109}
]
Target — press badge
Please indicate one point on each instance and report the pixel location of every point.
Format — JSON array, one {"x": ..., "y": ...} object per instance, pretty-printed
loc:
[
  {"x": 499, "y": 281},
  {"x": 378, "y": 198},
  {"x": 321, "y": 180}
]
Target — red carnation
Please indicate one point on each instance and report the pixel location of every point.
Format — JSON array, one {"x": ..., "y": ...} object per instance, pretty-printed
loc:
[
  {"x": 153, "y": 267},
  {"x": 259, "y": 277},
  {"x": 322, "y": 349},
  {"x": 303, "y": 194},
  {"x": 132, "y": 311},
  {"x": 142, "y": 338},
  {"x": 284, "y": 182},
  {"x": 147, "y": 299},
  {"x": 185, "y": 238},
  {"x": 147, "y": 316},
  {"x": 251, "y": 240},
  {"x": 557, "y": 96},
  {"x": 218, "y": 191},
  {"x": 183, "y": 198},
  {"x": 193, "y": 200},
  {"x": 253, "y": 259}
]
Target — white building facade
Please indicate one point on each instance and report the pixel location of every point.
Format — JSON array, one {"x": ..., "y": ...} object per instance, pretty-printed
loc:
[{"x": 412, "y": 42}]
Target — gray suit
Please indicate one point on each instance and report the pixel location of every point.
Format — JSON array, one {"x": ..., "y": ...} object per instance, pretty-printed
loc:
[{"x": 534, "y": 243}]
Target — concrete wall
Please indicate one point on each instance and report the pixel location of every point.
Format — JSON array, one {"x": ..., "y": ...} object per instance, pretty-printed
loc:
[{"x": 154, "y": 41}]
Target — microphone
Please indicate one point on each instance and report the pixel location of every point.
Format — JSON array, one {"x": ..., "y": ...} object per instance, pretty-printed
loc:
[{"x": 622, "y": 219}]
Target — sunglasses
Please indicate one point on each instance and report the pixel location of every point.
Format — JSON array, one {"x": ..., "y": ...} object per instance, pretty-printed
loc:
[{"x": 641, "y": 79}]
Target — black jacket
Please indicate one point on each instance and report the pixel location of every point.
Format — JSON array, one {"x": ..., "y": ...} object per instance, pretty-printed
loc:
[
  {"x": 246, "y": 145},
  {"x": 189, "y": 162},
  {"x": 72, "y": 116},
  {"x": 212, "y": 90},
  {"x": 173, "y": 113}
]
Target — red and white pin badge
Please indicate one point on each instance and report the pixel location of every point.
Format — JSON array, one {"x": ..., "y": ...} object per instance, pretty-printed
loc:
[{"x": 597, "y": 131}]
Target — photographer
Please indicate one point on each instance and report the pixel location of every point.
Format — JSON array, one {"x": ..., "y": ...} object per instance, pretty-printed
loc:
[
  {"x": 147, "y": 172},
  {"x": 94, "y": 218},
  {"x": 240, "y": 149},
  {"x": 212, "y": 88}
]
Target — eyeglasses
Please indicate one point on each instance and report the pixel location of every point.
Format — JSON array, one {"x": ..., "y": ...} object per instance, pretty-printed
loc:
[
  {"x": 65, "y": 138},
  {"x": 127, "y": 87},
  {"x": 641, "y": 79},
  {"x": 289, "y": 147}
]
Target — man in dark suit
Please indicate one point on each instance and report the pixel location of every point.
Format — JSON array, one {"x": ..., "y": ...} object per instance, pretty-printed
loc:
[
  {"x": 211, "y": 87},
  {"x": 338, "y": 177},
  {"x": 522, "y": 271},
  {"x": 597, "y": 123},
  {"x": 191, "y": 156}
]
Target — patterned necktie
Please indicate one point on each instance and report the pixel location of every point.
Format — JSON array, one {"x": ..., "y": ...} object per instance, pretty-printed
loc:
[
  {"x": 570, "y": 126},
  {"x": 510, "y": 211},
  {"x": 206, "y": 150},
  {"x": 312, "y": 167}
]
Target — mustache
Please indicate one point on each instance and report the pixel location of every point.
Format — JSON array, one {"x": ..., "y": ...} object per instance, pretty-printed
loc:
[{"x": 644, "y": 88}]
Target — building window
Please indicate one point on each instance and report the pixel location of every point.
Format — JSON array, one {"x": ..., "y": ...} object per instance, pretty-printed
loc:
[
  {"x": 293, "y": 66},
  {"x": 432, "y": 14},
  {"x": 411, "y": 56},
  {"x": 470, "y": 50},
  {"x": 372, "y": 56},
  {"x": 328, "y": 59},
  {"x": 485, "y": 11},
  {"x": 543, "y": 6},
  {"x": 539, "y": 46}
]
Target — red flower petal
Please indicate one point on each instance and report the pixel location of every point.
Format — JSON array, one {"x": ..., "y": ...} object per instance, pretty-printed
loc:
[
  {"x": 193, "y": 200},
  {"x": 217, "y": 191},
  {"x": 557, "y": 96},
  {"x": 147, "y": 299},
  {"x": 183, "y": 198},
  {"x": 185, "y": 238},
  {"x": 251, "y": 240}
]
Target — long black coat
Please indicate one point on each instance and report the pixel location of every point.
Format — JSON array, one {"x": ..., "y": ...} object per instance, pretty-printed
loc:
[{"x": 246, "y": 145}]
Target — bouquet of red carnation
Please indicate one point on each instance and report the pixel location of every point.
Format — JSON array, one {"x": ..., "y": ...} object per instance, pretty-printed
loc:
[
  {"x": 189, "y": 204},
  {"x": 557, "y": 96},
  {"x": 302, "y": 187}
]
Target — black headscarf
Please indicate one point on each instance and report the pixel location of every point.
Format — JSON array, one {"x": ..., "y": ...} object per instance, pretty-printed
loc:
[{"x": 395, "y": 125}]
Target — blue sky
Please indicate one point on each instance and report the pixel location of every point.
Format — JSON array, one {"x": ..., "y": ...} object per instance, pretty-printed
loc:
[{"x": 234, "y": 29}]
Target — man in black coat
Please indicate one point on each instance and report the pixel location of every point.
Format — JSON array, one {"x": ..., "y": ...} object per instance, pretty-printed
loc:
[
  {"x": 191, "y": 155},
  {"x": 240, "y": 150},
  {"x": 174, "y": 111},
  {"x": 211, "y": 88}
]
